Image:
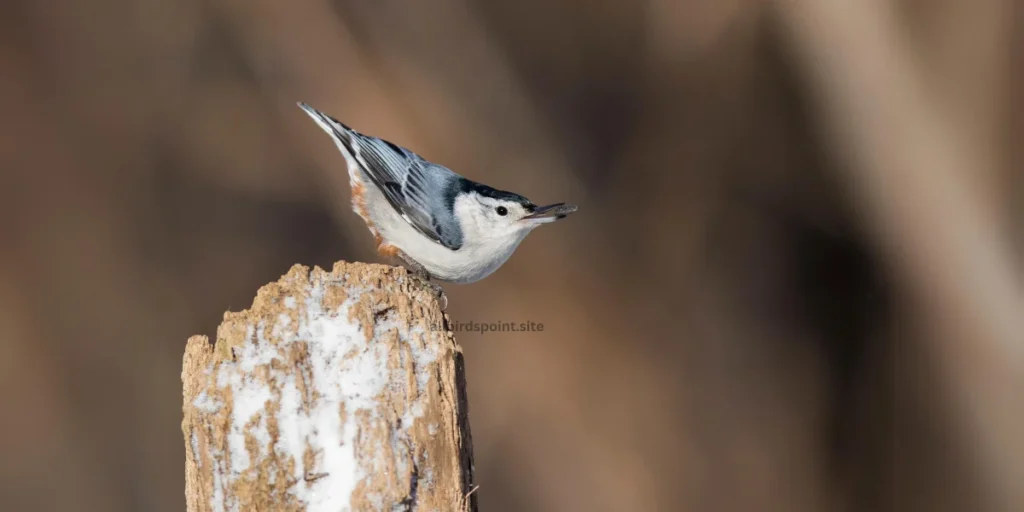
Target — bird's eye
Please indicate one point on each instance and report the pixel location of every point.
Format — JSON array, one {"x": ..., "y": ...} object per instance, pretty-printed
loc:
[{"x": 502, "y": 211}]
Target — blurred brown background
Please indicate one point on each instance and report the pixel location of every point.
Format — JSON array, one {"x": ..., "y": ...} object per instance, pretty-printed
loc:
[{"x": 791, "y": 284}]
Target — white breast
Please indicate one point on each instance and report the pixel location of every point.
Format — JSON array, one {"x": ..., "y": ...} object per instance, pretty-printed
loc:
[{"x": 475, "y": 260}]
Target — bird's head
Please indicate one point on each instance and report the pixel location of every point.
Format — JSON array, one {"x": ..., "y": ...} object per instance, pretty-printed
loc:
[{"x": 487, "y": 213}]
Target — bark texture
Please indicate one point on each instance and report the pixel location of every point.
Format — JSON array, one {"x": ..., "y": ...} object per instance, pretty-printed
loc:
[{"x": 339, "y": 390}]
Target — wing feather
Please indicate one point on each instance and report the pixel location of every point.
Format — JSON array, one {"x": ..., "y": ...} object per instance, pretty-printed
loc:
[{"x": 402, "y": 177}]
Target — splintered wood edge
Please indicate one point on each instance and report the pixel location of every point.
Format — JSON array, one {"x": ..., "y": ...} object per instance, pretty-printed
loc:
[{"x": 382, "y": 282}]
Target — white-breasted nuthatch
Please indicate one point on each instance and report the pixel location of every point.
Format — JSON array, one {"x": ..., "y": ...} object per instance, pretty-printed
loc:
[{"x": 439, "y": 223}]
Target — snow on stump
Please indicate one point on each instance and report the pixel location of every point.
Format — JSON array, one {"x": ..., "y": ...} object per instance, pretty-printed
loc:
[{"x": 336, "y": 391}]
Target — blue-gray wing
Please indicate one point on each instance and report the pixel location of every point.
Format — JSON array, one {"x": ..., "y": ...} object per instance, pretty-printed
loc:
[
  {"x": 419, "y": 190},
  {"x": 416, "y": 188}
]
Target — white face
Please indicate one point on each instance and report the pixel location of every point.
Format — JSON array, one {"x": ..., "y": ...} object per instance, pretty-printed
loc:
[{"x": 488, "y": 218}]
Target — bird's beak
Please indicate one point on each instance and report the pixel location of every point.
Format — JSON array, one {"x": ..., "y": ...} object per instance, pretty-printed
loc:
[{"x": 550, "y": 213}]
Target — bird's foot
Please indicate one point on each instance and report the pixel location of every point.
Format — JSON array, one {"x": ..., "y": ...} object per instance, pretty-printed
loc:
[
  {"x": 442, "y": 299},
  {"x": 418, "y": 273},
  {"x": 424, "y": 278},
  {"x": 416, "y": 270}
]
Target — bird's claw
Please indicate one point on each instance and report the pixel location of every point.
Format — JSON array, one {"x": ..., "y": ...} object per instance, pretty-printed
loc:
[
  {"x": 442, "y": 299},
  {"x": 424, "y": 277}
]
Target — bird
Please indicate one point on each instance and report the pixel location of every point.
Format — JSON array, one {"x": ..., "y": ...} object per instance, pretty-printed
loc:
[{"x": 442, "y": 225}]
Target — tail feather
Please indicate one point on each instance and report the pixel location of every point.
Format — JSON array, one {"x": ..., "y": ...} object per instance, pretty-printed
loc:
[
  {"x": 364, "y": 153},
  {"x": 343, "y": 135}
]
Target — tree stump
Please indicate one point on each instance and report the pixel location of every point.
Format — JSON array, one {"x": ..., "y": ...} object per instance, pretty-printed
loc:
[{"x": 339, "y": 390}]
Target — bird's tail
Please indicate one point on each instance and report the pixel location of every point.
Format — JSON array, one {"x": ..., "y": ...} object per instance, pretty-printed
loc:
[{"x": 344, "y": 137}]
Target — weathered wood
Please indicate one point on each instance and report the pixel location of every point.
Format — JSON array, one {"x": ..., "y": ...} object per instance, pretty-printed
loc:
[{"x": 339, "y": 390}]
